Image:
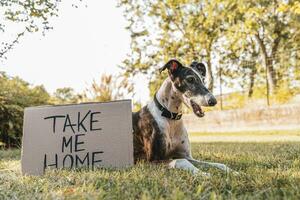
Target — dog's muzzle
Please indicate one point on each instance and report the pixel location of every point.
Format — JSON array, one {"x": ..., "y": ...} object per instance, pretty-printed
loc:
[{"x": 211, "y": 100}]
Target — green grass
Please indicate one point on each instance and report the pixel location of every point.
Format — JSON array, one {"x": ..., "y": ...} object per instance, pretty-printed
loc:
[
  {"x": 268, "y": 171},
  {"x": 247, "y": 136},
  {"x": 252, "y": 133}
]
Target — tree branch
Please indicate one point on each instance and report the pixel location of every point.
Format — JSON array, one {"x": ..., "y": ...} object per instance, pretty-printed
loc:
[{"x": 10, "y": 46}]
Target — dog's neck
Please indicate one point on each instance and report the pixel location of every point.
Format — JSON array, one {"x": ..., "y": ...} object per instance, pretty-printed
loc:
[{"x": 169, "y": 97}]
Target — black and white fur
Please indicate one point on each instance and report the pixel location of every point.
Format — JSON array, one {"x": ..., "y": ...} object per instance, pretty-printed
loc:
[{"x": 157, "y": 138}]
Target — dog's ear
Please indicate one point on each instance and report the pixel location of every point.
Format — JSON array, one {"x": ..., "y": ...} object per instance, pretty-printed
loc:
[
  {"x": 172, "y": 66},
  {"x": 200, "y": 67}
]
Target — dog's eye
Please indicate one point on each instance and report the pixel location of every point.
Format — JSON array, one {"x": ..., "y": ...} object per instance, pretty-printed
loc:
[{"x": 190, "y": 79}]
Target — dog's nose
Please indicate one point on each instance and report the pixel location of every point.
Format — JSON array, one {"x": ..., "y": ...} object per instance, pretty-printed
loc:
[{"x": 212, "y": 101}]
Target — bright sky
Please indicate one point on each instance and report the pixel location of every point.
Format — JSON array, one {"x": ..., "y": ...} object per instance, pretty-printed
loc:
[{"x": 85, "y": 43}]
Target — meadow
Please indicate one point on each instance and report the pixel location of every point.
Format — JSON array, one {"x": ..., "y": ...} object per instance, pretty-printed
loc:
[{"x": 268, "y": 170}]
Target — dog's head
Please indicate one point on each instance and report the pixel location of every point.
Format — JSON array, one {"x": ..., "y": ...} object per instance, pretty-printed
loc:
[{"x": 189, "y": 82}]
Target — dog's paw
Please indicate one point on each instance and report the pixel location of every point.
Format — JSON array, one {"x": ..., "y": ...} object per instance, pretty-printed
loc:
[
  {"x": 198, "y": 172},
  {"x": 235, "y": 173},
  {"x": 232, "y": 172},
  {"x": 203, "y": 174},
  {"x": 183, "y": 164},
  {"x": 186, "y": 165}
]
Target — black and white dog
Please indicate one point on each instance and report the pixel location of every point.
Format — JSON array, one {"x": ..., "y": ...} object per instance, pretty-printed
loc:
[{"x": 158, "y": 130}]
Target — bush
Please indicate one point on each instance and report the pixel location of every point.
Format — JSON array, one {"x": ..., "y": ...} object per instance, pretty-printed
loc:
[{"x": 15, "y": 95}]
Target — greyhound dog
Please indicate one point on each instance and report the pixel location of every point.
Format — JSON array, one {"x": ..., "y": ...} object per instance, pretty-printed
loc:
[{"x": 158, "y": 130}]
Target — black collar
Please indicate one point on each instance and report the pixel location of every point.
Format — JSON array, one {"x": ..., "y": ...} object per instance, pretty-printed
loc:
[{"x": 165, "y": 112}]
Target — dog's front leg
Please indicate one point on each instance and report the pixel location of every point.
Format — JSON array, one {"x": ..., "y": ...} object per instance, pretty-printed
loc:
[
  {"x": 212, "y": 164},
  {"x": 186, "y": 165}
]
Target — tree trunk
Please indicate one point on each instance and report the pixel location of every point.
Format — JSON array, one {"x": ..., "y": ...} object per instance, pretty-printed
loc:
[
  {"x": 5, "y": 138},
  {"x": 271, "y": 74},
  {"x": 252, "y": 78},
  {"x": 268, "y": 64}
]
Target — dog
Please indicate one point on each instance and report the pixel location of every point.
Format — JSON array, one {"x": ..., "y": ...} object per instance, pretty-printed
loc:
[{"x": 158, "y": 130}]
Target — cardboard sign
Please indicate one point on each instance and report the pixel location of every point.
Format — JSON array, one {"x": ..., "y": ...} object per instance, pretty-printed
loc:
[{"x": 73, "y": 136}]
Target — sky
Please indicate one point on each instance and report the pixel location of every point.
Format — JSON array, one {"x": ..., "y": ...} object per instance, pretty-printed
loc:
[{"x": 85, "y": 43}]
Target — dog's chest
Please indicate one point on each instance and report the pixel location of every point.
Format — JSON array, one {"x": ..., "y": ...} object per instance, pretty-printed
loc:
[{"x": 175, "y": 135}]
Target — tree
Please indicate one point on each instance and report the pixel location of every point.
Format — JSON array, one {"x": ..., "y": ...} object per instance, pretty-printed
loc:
[
  {"x": 227, "y": 33},
  {"x": 184, "y": 29},
  {"x": 15, "y": 95},
  {"x": 109, "y": 88},
  {"x": 238, "y": 61},
  {"x": 267, "y": 25},
  {"x": 24, "y": 16},
  {"x": 65, "y": 95}
]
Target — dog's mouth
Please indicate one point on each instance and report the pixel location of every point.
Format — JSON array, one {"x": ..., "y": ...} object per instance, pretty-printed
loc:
[{"x": 197, "y": 109}]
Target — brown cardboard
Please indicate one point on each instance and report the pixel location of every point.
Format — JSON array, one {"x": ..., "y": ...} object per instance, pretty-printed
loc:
[{"x": 102, "y": 139}]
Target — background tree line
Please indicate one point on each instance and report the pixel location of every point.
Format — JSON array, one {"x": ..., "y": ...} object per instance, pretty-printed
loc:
[
  {"x": 17, "y": 94},
  {"x": 243, "y": 43}
]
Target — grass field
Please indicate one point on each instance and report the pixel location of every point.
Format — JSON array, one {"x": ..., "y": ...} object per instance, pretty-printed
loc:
[
  {"x": 269, "y": 170},
  {"x": 247, "y": 136}
]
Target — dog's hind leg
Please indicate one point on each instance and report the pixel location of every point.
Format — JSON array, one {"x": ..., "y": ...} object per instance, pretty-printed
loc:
[{"x": 186, "y": 165}]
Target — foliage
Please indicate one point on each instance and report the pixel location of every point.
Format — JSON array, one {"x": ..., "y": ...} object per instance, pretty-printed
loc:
[
  {"x": 284, "y": 94},
  {"x": 241, "y": 100},
  {"x": 268, "y": 171},
  {"x": 247, "y": 40},
  {"x": 108, "y": 88},
  {"x": 266, "y": 26},
  {"x": 136, "y": 106},
  {"x": 235, "y": 100},
  {"x": 183, "y": 29},
  {"x": 25, "y": 16},
  {"x": 64, "y": 96},
  {"x": 15, "y": 95}
]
